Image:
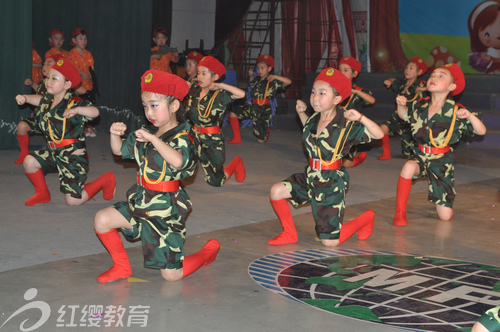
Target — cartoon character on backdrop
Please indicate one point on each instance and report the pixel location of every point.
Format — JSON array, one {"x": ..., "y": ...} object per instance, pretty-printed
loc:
[{"x": 484, "y": 29}]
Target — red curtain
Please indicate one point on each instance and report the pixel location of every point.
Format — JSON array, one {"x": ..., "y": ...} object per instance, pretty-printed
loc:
[
  {"x": 386, "y": 54},
  {"x": 309, "y": 33},
  {"x": 349, "y": 25}
]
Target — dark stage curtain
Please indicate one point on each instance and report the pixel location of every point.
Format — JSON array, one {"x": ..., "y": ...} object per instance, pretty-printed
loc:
[
  {"x": 228, "y": 15},
  {"x": 386, "y": 54},
  {"x": 15, "y": 38}
]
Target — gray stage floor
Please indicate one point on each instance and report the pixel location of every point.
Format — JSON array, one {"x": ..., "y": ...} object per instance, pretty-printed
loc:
[{"x": 51, "y": 254}]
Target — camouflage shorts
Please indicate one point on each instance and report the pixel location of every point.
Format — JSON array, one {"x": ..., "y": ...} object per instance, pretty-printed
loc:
[
  {"x": 441, "y": 179},
  {"x": 72, "y": 168},
  {"x": 261, "y": 118},
  {"x": 33, "y": 123},
  {"x": 162, "y": 242},
  {"x": 327, "y": 207},
  {"x": 211, "y": 156}
]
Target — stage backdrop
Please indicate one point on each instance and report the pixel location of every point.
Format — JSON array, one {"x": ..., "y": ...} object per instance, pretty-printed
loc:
[{"x": 441, "y": 35}]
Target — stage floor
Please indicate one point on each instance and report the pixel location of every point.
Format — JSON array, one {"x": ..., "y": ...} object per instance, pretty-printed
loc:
[{"x": 51, "y": 256}]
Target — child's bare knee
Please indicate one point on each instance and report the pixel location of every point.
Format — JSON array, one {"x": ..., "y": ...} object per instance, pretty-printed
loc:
[
  {"x": 330, "y": 243},
  {"x": 278, "y": 191},
  {"x": 172, "y": 275}
]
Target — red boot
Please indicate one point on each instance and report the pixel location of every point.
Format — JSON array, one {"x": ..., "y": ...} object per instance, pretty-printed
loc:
[
  {"x": 386, "y": 148},
  {"x": 42, "y": 193},
  {"x": 363, "y": 224},
  {"x": 238, "y": 168},
  {"x": 403, "y": 192},
  {"x": 205, "y": 256},
  {"x": 107, "y": 182},
  {"x": 235, "y": 126},
  {"x": 359, "y": 159},
  {"x": 24, "y": 144},
  {"x": 121, "y": 267},
  {"x": 289, "y": 234}
]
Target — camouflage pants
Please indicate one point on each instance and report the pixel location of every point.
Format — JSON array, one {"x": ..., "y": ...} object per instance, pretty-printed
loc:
[
  {"x": 398, "y": 127},
  {"x": 211, "y": 155},
  {"x": 440, "y": 177},
  {"x": 33, "y": 125},
  {"x": 491, "y": 319},
  {"x": 328, "y": 204},
  {"x": 352, "y": 153},
  {"x": 162, "y": 238},
  {"x": 72, "y": 168},
  {"x": 261, "y": 118}
]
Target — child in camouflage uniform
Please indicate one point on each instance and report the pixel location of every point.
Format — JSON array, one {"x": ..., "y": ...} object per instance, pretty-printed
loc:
[
  {"x": 436, "y": 123},
  {"x": 328, "y": 135},
  {"x": 61, "y": 118},
  {"x": 359, "y": 98},
  {"x": 264, "y": 87},
  {"x": 207, "y": 104},
  {"x": 29, "y": 126},
  {"x": 412, "y": 89},
  {"x": 156, "y": 207}
]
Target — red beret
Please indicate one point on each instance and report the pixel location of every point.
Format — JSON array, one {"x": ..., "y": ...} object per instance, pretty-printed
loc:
[
  {"x": 267, "y": 59},
  {"x": 420, "y": 63},
  {"x": 351, "y": 62},
  {"x": 77, "y": 32},
  {"x": 213, "y": 64},
  {"x": 458, "y": 77},
  {"x": 164, "y": 83},
  {"x": 195, "y": 56},
  {"x": 339, "y": 81},
  {"x": 56, "y": 31},
  {"x": 159, "y": 30},
  {"x": 67, "y": 70}
]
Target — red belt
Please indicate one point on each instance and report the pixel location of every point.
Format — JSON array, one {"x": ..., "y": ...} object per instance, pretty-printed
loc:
[
  {"x": 261, "y": 102},
  {"x": 163, "y": 186},
  {"x": 317, "y": 165},
  {"x": 67, "y": 141},
  {"x": 432, "y": 150},
  {"x": 207, "y": 130}
]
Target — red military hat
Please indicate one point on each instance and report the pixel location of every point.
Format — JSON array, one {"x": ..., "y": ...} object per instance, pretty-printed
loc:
[
  {"x": 77, "y": 32},
  {"x": 351, "y": 62},
  {"x": 164, "y": 83},
  {"x": 159, "y": 30},
  {"x": 337, "y": 80},
  {"x": 420, "y": 63},
  {"x": 267, "y": 59},
  {"x": 213, "y": 64},
  {"x": 458, "y": 77},
  {"x": 54, "y": 32},
  {"x": 67, "y": 70},
  {"x": 195, "y": 56}
]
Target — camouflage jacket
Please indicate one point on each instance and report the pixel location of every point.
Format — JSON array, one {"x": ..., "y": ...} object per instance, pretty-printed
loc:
[
  {"x": 354, "y": 133},
  {"x": 258, "y": 88},
  {"x": 418, "y": 117},
  {"x": 195, "y": 108},
  {"x": 355, "y": 101},
  {"x": 153, "y": 203}
]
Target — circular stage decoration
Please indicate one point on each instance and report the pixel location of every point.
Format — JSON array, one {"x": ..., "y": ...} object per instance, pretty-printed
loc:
[{"x": 402, "y": 290}]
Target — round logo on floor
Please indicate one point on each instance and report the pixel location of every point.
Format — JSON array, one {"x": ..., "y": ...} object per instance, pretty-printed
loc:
[{"x": 408, "y": 291}]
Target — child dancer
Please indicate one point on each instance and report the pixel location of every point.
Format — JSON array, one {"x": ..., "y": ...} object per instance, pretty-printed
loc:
[
  {"x": 207, "y": 104},
  {"x": 191, "y": 66},
  {"x": 359, "y": 98},
  {"x": 411, "y": 88},
  {"x": 436, "y": 123},
  {"x": 56, "y": 41},
  {"x": 29, "y": 126},
  {"x": 156, "y": 208},
  {"x": 328, "y": 135},
  {"x": 264, "y": 87},
  {"x": 161, "y": 61},
  {"x": 61, "y": 118}
]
